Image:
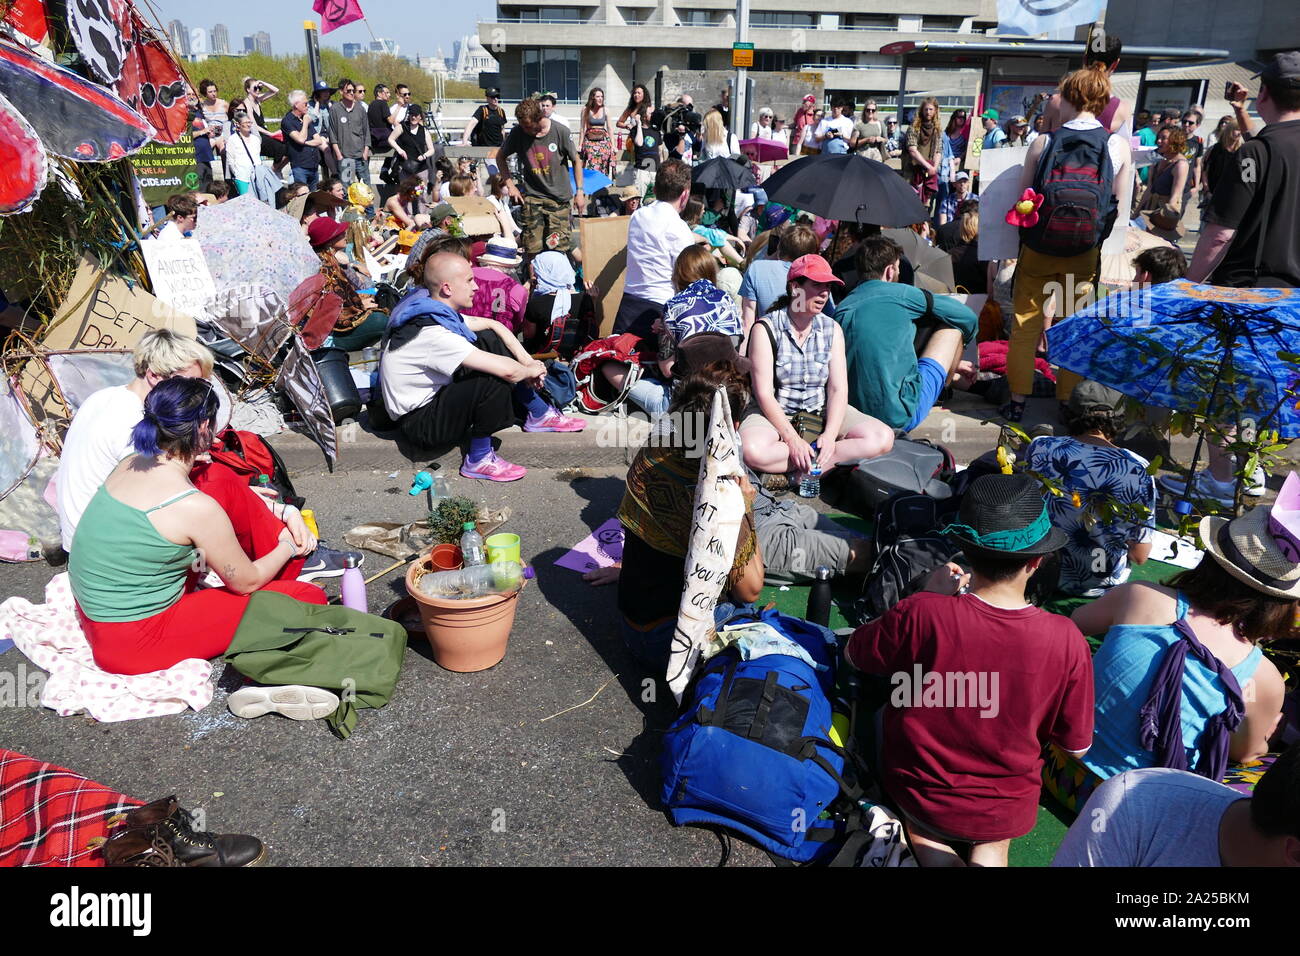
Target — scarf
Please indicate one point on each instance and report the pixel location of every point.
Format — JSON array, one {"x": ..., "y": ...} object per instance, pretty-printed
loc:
[
  {"x": 658, "y": 504},
  {"x": 927, "y": 140},
  {"x": 418, "y": 310},
  {"x": 554, "y": 275},
  {"x": 1160, "y": 726}
]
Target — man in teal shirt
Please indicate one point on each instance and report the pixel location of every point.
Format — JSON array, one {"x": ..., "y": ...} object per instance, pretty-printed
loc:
[{"x": 887, "y": 379}]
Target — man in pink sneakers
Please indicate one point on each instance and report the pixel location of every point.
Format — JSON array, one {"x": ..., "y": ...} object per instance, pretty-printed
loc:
[{"x": 445, "y": 377}]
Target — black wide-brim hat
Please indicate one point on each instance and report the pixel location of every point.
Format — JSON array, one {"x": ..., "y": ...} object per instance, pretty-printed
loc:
[{"x": 1005, "y": 514}]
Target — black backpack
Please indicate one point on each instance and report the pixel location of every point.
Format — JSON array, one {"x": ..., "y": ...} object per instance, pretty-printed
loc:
[
  {"x": 1076, "y": 177},
  {"x": 908, "y": 546}
]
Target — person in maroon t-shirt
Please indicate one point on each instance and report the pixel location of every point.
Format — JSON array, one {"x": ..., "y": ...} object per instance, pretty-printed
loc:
[{"x": 980, "y": 683}]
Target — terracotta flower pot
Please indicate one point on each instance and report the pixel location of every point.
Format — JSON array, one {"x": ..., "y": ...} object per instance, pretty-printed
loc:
[
  {"x": 446, "y": 557},
  {"x": 466, "y": 635}
]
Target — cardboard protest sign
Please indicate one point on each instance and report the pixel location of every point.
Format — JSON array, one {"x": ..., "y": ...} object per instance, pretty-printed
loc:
[
  {"x": 478, "y": 217},
  {"x": 101, "y": 311},
  {"x": 179, "y": 273},
  {"x": 604, "y": 262},
  {"x": 1000, "y": 171},
  {"x": 718, "y": 509}
]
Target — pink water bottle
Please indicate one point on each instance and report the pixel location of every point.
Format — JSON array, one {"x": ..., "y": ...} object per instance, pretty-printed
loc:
[{"x": 353, "y": 586}]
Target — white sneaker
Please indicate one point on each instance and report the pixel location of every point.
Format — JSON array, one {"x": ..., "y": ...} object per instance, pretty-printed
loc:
[
  {"x": 1256, "y": 486},
  {"x": 1206, "y": 486},
  {"x": 294, "y": 701}
]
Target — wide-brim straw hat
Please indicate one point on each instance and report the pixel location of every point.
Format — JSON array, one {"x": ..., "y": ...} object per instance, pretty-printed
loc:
[{"x": 1251, "y": 551}]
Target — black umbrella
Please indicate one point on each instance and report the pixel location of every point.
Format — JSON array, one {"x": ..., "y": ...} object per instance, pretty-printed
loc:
[
  {"x": 723, "y": 173},
  {"x": 848, "y": 188}
]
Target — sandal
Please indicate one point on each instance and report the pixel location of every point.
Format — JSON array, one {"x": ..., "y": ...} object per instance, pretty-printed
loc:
[{"x": 1012, "y": 411}]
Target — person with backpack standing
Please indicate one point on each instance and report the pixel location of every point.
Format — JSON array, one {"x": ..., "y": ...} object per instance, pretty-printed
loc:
[
  {"x": 487, "y": 124},
  {"x": 1077, "y": 169}
]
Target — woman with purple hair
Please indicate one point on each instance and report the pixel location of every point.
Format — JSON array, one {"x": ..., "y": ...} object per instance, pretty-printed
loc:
[{"x": 148, "y": 534}]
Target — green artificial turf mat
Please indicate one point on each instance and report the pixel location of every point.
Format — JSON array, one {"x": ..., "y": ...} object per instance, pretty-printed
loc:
[
  {"x": 1039, "y": 845},
  {"x": 1156, "y": 571}
]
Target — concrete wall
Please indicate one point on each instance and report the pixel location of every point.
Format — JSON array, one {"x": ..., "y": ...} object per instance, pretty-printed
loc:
[
  {"x": 781, "y": 91},
  {"x": 1244, "y": 27}
]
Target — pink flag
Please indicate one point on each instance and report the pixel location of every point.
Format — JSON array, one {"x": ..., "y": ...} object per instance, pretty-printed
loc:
[{"x": 336, "y": 13}]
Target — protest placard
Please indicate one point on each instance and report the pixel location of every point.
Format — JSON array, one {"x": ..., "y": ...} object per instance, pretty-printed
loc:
[
  {"x": 179, "y": 273},
  {"x": 101, "y": 311},
  {"x": 164, "y": 170}
]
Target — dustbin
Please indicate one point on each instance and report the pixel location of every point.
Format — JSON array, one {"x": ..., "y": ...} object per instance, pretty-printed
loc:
[{"x": 336, "y": 377}]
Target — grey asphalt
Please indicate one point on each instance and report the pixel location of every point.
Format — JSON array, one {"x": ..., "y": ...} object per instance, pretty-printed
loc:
[{"x": 458, "y": 768}]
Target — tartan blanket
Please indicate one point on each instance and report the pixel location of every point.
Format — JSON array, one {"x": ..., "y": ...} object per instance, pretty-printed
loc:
[{"x": 49, "y": 815}]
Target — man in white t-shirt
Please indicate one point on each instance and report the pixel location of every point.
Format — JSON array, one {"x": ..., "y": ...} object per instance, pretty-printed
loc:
[
  {"x": 448, "y": 377},
  {"x": 1162, "y": 817},
  {"x": 833, "y": 133},
  {"x": 655, "y": 238}
]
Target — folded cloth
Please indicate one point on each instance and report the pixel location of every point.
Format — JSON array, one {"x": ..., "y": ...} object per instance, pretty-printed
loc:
[
  {"x": 51, "y": 637},
  {"x": 50, "y": 816}
]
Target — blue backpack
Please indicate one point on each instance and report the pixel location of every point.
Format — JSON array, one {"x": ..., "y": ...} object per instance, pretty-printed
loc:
[
  {"x": 751, "y": 752},
  {"x": 1076, "y": 177}
]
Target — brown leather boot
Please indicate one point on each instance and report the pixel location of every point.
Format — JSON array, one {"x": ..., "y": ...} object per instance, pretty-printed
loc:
[
  {"x": 139, "y": 847},
  {"x": 166, "y": 821}
]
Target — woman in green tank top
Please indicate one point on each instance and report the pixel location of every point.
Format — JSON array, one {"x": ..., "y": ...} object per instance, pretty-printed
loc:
[{"x": 148, "y": 534}]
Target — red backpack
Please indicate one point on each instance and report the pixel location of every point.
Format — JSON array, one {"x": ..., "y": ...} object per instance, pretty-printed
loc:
[
  {"x": 594, "y": 393},
  {"x": 247, "y": 453}
]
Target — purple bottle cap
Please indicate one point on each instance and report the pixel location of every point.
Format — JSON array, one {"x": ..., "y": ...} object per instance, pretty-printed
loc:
[{"x": 529, "y": 573}]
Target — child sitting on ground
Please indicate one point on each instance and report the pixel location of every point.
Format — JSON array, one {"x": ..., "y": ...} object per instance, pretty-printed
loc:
[{"x": 980, "y": 683}]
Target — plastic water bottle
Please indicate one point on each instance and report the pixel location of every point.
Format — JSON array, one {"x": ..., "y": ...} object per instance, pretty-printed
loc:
[
  {"x": 811, "y": 485},
  {"x": 504, "y": 577},
  {"x": 353, "y": 586},
  {"x": 471, "y": 546}
]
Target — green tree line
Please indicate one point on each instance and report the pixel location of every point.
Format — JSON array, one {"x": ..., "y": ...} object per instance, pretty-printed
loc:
[{"x": 291, "y": 73}]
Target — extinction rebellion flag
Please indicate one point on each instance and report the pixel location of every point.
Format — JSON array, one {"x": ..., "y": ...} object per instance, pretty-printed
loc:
[
  {"x": 1033, "y": 17},
  {"x": 336, "y": 13}
]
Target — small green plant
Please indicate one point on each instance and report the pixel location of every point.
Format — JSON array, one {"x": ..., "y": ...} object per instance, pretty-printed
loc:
[{"x": 447, "y": 521}]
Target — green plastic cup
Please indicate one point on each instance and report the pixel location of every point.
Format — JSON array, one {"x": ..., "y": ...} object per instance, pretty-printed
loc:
[{"x": 503, "y": 547}]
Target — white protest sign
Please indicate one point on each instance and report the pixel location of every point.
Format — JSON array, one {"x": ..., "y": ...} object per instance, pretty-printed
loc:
[
  {"x": 179, "y": 273},
  {"x": 718, "y": 510},
  {"x": 999, "y": 189}
]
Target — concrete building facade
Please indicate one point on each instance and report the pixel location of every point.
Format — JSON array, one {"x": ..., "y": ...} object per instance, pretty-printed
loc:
[{"x": 613, "y": 43}]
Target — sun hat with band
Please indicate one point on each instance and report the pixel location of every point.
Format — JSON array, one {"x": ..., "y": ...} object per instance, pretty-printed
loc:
[
  {"x": 500, "y": 251},
  {"x": 1262, "y": 547},
  {"x": 1006, "y": 515}
]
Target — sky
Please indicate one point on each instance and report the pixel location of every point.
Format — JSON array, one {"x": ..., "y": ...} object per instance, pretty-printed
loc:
[{"x": 398, "y": 19}]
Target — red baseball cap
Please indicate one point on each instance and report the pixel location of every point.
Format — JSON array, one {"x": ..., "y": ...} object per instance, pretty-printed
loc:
[
  {"x": 810, "y": 98},
  {"x": 812, "y": 267}
]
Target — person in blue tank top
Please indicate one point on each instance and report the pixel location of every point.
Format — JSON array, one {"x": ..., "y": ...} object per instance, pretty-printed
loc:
[{"x": 1180, "y": 678}]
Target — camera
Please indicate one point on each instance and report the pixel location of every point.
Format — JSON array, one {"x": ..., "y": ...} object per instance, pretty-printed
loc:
[{"x": 668, "y": 118}]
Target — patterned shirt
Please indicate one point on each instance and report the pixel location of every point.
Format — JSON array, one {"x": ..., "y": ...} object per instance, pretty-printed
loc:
[
  {"x": 801, "y": 371},
  {"x": 1110, "y": 485}
]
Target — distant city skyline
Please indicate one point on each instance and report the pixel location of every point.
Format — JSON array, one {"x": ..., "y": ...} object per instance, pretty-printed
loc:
[{"x": 399, "y": 19}]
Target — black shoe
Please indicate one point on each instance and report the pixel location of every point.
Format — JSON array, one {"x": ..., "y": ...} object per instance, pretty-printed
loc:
[
  {"x": 1013, "y": 411},
  {"x": 153, "y": 832}
]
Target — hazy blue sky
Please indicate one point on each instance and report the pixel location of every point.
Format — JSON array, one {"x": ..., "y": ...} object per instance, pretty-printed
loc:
[{"x": 409, "y": 22}]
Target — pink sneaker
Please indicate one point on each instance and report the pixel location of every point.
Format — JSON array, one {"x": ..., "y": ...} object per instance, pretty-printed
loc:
[
  {"x": 493, "y": 468},
  {"x": 553, "y": 421}
]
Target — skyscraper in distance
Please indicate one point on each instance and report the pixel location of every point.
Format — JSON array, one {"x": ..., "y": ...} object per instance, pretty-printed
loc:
[
  {"x": 221, "y": 40},
  {"x": 180, "y": 37}
]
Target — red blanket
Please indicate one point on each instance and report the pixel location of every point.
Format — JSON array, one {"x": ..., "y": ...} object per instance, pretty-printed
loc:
[{"x": 49, "y": 816}]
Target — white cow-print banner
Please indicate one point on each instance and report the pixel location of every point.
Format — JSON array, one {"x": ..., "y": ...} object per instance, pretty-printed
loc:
[{"x": 98, "y": 30}]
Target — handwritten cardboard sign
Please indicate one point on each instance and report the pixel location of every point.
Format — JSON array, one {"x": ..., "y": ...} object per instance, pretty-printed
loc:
[
  {"x": 179, "y": 273},
  {"x": 101, "y": 311}
]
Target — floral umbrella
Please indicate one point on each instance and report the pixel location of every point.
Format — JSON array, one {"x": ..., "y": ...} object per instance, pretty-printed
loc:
[{"x": 246, "y": 242}]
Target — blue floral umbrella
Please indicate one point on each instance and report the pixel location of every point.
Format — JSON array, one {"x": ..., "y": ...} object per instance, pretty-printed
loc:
[
  {"x": 1192, "y": 347},
  {"x": 1224, "y": 353}
]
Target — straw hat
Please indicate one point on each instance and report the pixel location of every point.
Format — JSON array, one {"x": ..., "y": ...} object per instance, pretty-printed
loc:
[
  {"x": 1251, "y": 549},
  {"x": 501, "y": 251}
]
